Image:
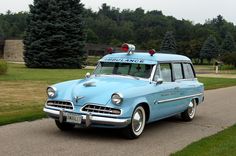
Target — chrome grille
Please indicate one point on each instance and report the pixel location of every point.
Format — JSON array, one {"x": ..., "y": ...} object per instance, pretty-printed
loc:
[
  {"x": 60, "y": 104},
  {"x": 101, "y": 109}
]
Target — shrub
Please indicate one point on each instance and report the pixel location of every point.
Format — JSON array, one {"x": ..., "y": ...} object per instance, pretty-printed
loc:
[{"x": 3, "y": 67}]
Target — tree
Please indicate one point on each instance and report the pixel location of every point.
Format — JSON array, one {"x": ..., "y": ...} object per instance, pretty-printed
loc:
[
  {"x": 229, "y": 58},
  {"x": 168, "y": 44},
  {"x": 228, "y": 44},
  {"x": 55, "y": 35},
  {"x": 209, "y": 49}
]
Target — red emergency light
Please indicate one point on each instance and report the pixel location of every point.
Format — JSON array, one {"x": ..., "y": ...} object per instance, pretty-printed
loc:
[
  {"x": 130, "y": 48},
  {"x": 152, "y": 52},
  {"x": 110, "y": 50}
]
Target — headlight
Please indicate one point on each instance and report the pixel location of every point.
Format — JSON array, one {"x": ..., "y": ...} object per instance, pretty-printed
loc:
[
  {"x": 51, "y": 91},
  {"x": 117, "y": 98}
]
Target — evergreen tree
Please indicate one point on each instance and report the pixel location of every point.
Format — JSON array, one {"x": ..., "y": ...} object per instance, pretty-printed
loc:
[
  {"x": 209, "y": 49},
  {"x": 228, "y": 44},
  {"x": 168, "y": 44},
  {"x": 55, "y": 35}
]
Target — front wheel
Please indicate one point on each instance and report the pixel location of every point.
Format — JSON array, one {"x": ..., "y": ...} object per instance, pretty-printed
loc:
[
  {"x": 63, "y": 126},
  {"x": 138, "y": 121},
  {"x": 190, "y": 112}
]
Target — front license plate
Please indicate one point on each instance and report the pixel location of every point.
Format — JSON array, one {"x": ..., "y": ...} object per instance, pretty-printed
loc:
[{"x": 73, "y": 118}]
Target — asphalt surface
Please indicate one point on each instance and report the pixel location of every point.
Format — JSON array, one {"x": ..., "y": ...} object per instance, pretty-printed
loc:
[{"x": 160, "y": 138}]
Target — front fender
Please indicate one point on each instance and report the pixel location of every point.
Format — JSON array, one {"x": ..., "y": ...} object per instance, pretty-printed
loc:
[{"x": 128, "y": 106}]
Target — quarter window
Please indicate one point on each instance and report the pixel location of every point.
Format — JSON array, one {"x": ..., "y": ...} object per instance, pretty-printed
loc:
[
  {"x": 165, "y": 70},
  {"x": 177, "y": 67},
  {"x": 188, "y": 71}
]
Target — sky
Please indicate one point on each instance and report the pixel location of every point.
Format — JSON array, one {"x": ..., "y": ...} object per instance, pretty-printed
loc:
[{"x": 194, "y": 10}]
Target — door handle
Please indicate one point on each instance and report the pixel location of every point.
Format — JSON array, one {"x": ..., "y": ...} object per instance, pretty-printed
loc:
[{"x": 176, "y": 88}]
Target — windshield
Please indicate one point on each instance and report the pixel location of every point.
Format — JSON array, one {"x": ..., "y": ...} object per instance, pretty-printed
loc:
[{"x": 137, "y": 70}]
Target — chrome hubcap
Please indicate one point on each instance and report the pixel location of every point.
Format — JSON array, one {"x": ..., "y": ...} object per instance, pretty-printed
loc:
[
  {"x": 138, "y": 121},
  {"x": 191, "y": 109}
]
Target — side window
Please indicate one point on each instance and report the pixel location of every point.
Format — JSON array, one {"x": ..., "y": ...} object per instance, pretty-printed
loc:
[
  {"x": 165, "y": 70},
  {"x": 178, "y": 72},
  {"x": 141, "y": 70},
  {"x": 188, "y": 71}
]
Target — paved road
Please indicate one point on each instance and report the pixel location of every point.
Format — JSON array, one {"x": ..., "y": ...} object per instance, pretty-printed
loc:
[{"x": 161, "y": 138}]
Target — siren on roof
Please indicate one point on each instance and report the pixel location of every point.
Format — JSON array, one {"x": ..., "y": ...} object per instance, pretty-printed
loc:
[{"x": 130, "y": 48}]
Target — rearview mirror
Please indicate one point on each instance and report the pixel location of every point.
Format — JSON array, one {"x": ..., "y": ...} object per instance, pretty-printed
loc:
[{"x": 87, "y": 75}]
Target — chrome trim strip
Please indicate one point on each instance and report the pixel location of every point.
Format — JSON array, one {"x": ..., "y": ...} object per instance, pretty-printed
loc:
[
  {"x": 179, "y": 98},
  {"x": 95, "y": 119}
]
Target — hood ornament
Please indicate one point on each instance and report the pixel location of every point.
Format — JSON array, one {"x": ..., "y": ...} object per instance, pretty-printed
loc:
[
  {"x": 89, "y": 84},
  {"x": 77, "y": 98}
]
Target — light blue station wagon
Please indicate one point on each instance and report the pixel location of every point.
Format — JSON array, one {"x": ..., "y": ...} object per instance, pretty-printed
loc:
[{"x": 127, "y": 90}]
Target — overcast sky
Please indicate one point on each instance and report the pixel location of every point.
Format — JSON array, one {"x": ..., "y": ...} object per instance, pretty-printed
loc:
[{"x": 194, "y": 10}]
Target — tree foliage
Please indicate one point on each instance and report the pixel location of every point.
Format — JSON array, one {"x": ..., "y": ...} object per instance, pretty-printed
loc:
[
  {"x": 229, "y": 58},
  {"x": 55, "y": 34},
  {"x": 209, "y": 49},
  {"x": 228, "y": 44},
  {"x": 145, "y": 29},
  {"x": 168, "y": 44}
]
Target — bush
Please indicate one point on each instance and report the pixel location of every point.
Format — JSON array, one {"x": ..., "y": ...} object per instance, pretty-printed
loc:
[
  {"x": 3, "y": 67},
  {"x": 229, "y": 59}
]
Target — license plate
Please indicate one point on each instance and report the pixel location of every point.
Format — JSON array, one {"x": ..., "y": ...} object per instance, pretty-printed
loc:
[{"x": 73, "y": 118}]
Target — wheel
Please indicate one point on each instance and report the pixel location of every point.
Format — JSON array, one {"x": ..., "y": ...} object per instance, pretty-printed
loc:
[
  {"x": 138, "y": 121},
  {"x": 189, "y": 113},
  {"x": 64, "y": 126}
]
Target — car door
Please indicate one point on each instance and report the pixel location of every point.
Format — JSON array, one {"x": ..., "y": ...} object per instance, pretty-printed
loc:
[{"x": 166, "y": 91}]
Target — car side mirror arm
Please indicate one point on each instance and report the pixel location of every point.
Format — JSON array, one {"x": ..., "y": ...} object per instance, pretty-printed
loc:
[{"x": 159, "y": 81}]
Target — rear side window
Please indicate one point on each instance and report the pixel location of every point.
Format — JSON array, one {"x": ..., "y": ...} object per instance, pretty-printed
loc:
[
  {"x": 188, "y": 71},
  {"x": 165, "y": 70},
  {"x": 178, "y": 72}
]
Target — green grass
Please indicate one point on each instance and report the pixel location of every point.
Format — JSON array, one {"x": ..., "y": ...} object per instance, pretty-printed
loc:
[
  {"x": 22, "y": 94},
  {"x": 20, "y": 72},
  {"x": 220, "y": 144},
  {"x": 214, "y": 83}
]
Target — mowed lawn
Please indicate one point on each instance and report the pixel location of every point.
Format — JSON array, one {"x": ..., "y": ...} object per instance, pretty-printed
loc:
[
  {"x": 220, "y": 144},
  {"x": 23, "y": 90}
]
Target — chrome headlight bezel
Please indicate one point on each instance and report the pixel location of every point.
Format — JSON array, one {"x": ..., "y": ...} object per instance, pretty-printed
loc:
[
  {"x": 51, "y": 92},
  {"x": 117, "y": 98}
]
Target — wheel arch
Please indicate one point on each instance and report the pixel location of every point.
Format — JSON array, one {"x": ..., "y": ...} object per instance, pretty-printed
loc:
[{"x": 146, "y": 108}]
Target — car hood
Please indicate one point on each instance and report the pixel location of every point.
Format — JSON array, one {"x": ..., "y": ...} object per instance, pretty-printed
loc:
[{"x": 99, "y": 89}]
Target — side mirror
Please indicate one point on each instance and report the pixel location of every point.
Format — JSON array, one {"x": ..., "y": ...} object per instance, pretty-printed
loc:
[
  {"x": 87, "y": 75},
  {"x": 159, "y": 81}
]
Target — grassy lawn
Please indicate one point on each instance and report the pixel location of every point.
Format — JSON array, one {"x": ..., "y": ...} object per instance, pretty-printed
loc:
[
  {"x": 214, "y": 83},
  {"x": 23, "y": 94},
  {"x": 220, "y": 144}
]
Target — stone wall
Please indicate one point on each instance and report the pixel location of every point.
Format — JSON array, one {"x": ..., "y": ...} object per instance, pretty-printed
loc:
[{"x": 13, "y": 50}]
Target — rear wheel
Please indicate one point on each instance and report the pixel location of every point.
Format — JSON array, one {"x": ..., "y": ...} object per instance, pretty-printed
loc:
[
  {"x": 190, "y": 112},
  {"x": 63, "y": 126},
  {"x": 138, "y": 121}
]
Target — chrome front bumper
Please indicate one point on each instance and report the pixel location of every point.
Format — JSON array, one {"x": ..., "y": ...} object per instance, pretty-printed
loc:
[{"x": 90, "y": 119}]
